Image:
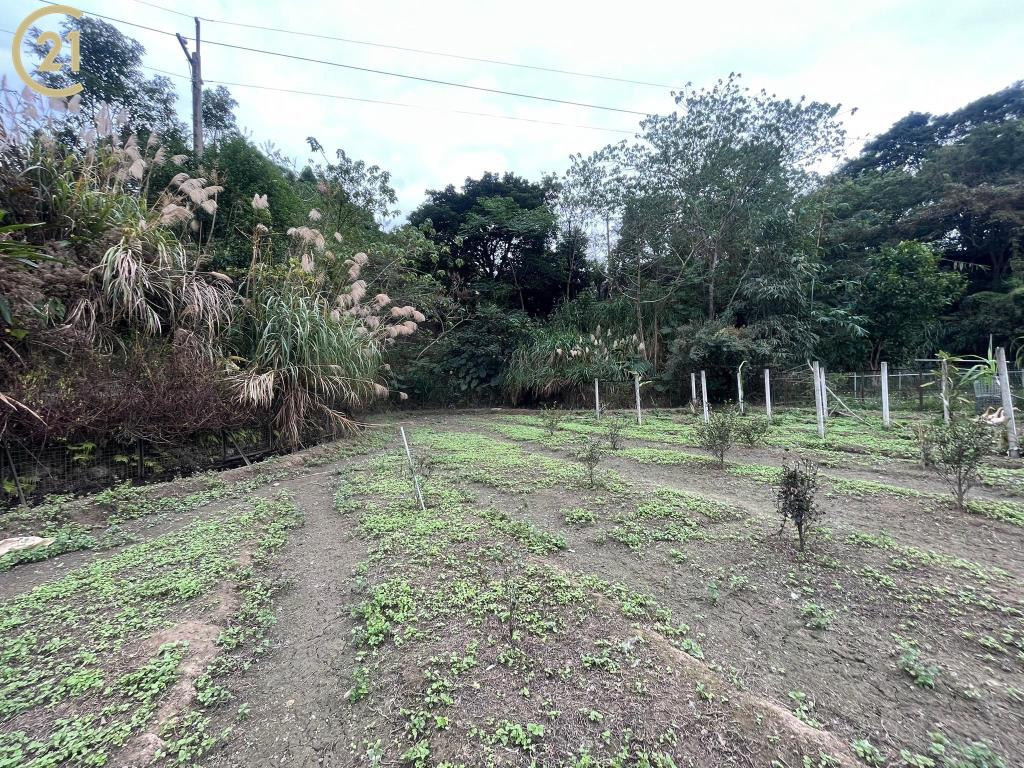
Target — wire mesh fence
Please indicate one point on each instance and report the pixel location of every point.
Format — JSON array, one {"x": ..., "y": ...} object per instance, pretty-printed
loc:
[
  {"x": 31, "y": 472},
  {"x": 909, "y": 389}
]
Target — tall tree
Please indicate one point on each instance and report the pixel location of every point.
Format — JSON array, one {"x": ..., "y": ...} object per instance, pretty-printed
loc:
[
  {"x": 497, "y": 233},
  {"x": 111, "y": 74}
]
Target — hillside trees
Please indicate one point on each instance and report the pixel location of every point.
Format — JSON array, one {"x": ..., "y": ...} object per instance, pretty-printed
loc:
[
  {"x": 712, "y": 231},
  {"x": 954, "y": 182}
]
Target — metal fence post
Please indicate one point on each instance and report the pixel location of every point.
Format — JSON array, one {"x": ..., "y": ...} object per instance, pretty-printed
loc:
[{"x": 140, "y": 459}]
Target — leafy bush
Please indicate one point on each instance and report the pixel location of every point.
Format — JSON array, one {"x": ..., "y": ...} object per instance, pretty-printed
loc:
[
  {"x": 590, "y": 454},
  {"x": 922, "y": 671},
  {"x": 752, "y": 430},
  {"x": 717, "y": 435},
  {"x": 614, "y": 433},
  {"x": 958, "y": 450},
  {"x": 925, "y": 444},
  {"x": 559, "y": 362},
  {"x": 552, "y": 418},
  {"x": 796, "y": 497}
]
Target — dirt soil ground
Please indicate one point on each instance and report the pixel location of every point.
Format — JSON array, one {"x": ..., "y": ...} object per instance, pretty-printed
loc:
[{"x": 896, "y": 639}]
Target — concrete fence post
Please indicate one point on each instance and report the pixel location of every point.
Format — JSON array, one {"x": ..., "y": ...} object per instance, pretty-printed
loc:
[{"x": 886, "y": 421}]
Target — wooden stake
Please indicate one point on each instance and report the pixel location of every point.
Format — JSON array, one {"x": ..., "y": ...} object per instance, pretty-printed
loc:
[
  {"x": 597, "y": 398},
  {"x": 945, "y": 391},
  {"x": 636, "y": 388},
  {"x": 816, "y": 372},
  {"x": 768, "y": 394},
  {"x": 704, "y": 395},
  {"x": 1011, "y": 418},
  {"x": 412, "y": 468},
  {"x": 886, "y": 421}
]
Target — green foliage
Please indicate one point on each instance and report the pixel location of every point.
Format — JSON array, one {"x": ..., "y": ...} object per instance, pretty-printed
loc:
[
  {"x": 560, "y": 362},
  {"x": 922, "y": 671},
  {"x": 958, "y": 450},
  {"x": 753, "y": 430},
  {"x": 718, "y": 434},
  {"x": 903, "y": 292},
  {"x": 589, "y": 455},
  {"x": 795, "y": 497}
]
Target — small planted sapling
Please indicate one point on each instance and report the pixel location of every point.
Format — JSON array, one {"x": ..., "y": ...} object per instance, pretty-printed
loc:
[
  {"x": 795, "y": 497},
  {"x": 614, "y": 434},
  {"x": 752, "y": 430},
  {"x": 589, "y": 455},
  {"x": 552, "y": 418},
  {"x": 718, "y": 434},
  {"x": 958, "y": 448}
]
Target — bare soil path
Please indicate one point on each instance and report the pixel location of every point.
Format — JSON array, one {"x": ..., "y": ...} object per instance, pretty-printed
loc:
[{"x": 296, "y": 691}]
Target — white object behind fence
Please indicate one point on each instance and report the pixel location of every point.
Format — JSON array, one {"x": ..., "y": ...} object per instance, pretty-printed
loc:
[
  {"x": 597, "y": 398},
  {"x": 768, "y": 394}
]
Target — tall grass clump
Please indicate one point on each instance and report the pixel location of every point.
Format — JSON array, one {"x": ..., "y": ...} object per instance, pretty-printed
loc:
[{"x": 556, "y": 362}]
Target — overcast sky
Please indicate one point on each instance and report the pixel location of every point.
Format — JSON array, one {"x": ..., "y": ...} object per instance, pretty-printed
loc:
[{"x": 885, "y": 57}]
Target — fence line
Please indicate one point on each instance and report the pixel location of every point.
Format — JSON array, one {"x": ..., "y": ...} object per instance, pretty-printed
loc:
[{"x": 58, "y": 467}]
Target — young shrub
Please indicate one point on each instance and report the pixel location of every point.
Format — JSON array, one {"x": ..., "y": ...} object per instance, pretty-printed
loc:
[
  {"x": 590, "y": 455},
  {"x": 958, "y": 449},
  {"x": 796, "y": 497},
  {"x": 614, "y": 433},
  {"x": 552, "y": 418},
  {"x": 752, "y": 430},
  {"x": 925, "y": 445},
  {"x": 718, "y": 434}
]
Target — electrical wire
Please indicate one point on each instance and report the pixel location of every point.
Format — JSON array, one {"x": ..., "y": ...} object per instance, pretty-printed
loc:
[
  {"x": 417, "y": 78},
  {"x": 407, "y": 49},
  {"x": 394, "y": 103}
]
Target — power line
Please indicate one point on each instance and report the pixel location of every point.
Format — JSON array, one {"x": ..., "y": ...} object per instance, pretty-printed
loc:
[
  {"x": 407, "y": 49},
  {"x": 432, "y": 81},
  {"x": 396, "y": 103}
]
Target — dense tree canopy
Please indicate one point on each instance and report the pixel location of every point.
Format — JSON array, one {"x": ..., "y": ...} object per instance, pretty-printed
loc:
[{"x": 710, "y": 241}]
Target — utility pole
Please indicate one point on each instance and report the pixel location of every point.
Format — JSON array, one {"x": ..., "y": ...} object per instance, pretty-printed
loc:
[{"x": 195, "y": 65}]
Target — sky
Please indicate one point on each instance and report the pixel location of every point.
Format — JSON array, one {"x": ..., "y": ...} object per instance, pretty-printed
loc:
[{"x": 884, "y": 57}]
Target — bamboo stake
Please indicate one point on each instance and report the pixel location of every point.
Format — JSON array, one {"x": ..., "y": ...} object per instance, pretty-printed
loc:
[
  {"x": 412, "y": 468},
  {"x": 886, "y": 420},
  {"x": 693, "y": 392},
  {"x": 597, "y": 398},
  {"x": 1011, "y": 418},
  {"x": 768, "y": 394},
  {"x": 704, "y": 395}
]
